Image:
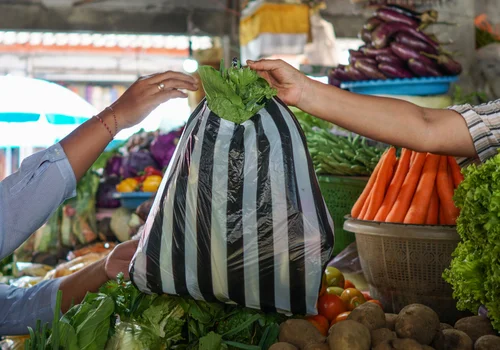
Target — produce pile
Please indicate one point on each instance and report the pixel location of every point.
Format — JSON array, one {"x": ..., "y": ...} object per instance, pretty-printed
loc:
[
  {"x": 475, "y": 269},
  {"x": 417, "y": 189},
  {"x": 121, "y": 317},
  {"x": 336, "y": 152},
  {"x": 397, "y": 48},
  {"x": 416, "y": 327}
]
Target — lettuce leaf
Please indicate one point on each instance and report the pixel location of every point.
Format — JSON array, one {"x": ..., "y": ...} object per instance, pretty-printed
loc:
[{"x": 235, "y": 94}]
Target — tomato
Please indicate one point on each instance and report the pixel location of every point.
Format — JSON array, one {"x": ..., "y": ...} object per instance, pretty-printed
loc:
[
  {"x": 334, "y": 278},
  {"x": 152, "y": 171},
  {"x": 340, "y": 317},
  {"x": 321, "y": 323},
  {"x": 330, "y": 305},
  {"x": 352, "y": 298},
  {"x": 334, "y": 290},
  {"x": 367, "y": 296},
  {"x": 376, "y": 302},
  {"x": 348, "y": 284}
]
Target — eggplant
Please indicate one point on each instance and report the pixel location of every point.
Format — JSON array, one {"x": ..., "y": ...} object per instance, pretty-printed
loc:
[
  {"x": 369, "y": 70},
  {"x": 389, "y": 59},
  {"x": 340, "y": 74},
  {"x": 417, "y": 44},
  {"x": 405, "y": 53},
  {"x": 372, "y": 23},
  {"x": 448, "y": 64},
  {"x": 384, "y": 32},
  {"x": 394, "y": 71},
  {"x": 366, "y": 36},
  {"x": 388, "y": 15},
  {"x": 372, "y": 52},
  {"x": 356, "y": 53},
  {"x": 430, "y": 16},
  {"x": 355, "y": 74},
  {"x": 423, "y": 70},
  {"x": 334, "y": 82},
  {"x": 354, "y": 59}
]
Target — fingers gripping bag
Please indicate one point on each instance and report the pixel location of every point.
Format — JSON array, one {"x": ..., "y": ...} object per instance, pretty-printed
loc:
[{"x": 239, "y": 216}]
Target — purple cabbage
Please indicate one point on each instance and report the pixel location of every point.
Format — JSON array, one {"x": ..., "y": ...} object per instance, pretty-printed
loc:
[
  {"x": 135, "y": 163},
  {"x": 163, "y": 147},
  {"x": 104, "y": 196},
  {"x": 113, "y": 166}
]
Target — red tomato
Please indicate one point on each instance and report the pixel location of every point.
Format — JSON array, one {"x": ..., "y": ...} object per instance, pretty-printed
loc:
[
  {"x": 348, "y": 284},
  {"x": 323, "y": 286},
  {"x": 321, "y": 323},
  {"x": 367, "y": 296},
  {"x": 330, "y": 305},
  {"x": 376, "y": 302},
  {"x": 340, "y": 317}
]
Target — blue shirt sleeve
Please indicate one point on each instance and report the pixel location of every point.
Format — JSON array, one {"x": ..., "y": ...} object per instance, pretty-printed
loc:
[
  {"x": 22, "y": 307},
  {"x": 31, "y": 195}
]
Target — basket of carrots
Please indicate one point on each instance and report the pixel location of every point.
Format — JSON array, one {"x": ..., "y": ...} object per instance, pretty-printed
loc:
[{"x": 404, "y": 222}]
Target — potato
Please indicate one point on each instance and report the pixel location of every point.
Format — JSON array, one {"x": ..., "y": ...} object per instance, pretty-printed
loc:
[
  {"x": 370, "y": 315},
  {"x": 439, "y": 342},
  {"x": 427, "y": 347},
  {"x": 350, "y": 335},
  {"x": 283, "y": 346},
  {"x": 390, "y": 319},
  {"x": 323, "y": 346},
  {"x": 300, "y": 333},
  {"x": 457, "y": 340},
  {"x": 399, "y": 344},
  {"x": 417, "y": 322},
  {"x": 487, "y": 342},
  {"x": 444, "y": 326},
  {"x": 475, "y": 327},
  {"x": 381, "y": 335}
]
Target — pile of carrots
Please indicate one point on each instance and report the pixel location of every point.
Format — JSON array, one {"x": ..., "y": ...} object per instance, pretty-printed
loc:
[{"x": 417, "y": 189}]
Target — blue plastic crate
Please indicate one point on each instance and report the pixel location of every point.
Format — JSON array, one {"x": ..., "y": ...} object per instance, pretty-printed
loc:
[
  {"x": 131, "y": 200},
  {"x": 410, "y": 87}
]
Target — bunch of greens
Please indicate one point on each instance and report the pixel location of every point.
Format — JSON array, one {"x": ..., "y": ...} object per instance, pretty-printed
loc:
[
  {"x": 459, "y": 97},
  {"x": 235, "y": 94},
  {"x": 121, "y": 317},
  {"x": 475, "y": 269}
]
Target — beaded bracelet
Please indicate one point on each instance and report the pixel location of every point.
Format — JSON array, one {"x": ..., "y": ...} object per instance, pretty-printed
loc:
[
  {"x": 114, "y": 117},
  {"x": 105, "y": 125}
]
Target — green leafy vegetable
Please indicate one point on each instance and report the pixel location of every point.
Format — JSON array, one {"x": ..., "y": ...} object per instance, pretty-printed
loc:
[
  {"x": 212, "y": 341},
  {"x": 235, "y": 94},
  {"x": 475, "y": 269}
]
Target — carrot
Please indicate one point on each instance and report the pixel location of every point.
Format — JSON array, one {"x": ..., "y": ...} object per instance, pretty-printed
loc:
[
  {"x": 442, "y": 220},
  {"x": 381, "y": 183},
  {"x": 444, "y": 184},
  {"x": 456, "y": 172},
  {"x": 365, "y": 207},
  {"x": 405, "y": 196},
  {"x": 395, "y": 185},
  {"x": 358, "y": 206},
  {"x": 412, "y": 160},
  {"x": 433, "y": 212},
  {"x": 417, "y": 214}
]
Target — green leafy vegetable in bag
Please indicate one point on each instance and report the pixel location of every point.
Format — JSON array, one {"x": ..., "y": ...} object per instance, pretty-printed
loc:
[{"x": 235, "y": 94}]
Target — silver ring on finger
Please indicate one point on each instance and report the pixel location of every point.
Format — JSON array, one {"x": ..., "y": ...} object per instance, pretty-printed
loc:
[{"x": 161, "y": 86}]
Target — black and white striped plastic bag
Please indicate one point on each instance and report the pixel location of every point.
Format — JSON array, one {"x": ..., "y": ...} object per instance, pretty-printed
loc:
[{"x": 239, "y": 216}]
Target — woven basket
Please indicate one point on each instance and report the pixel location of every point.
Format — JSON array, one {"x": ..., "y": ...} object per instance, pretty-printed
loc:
[{"x": 403, "y": 264}]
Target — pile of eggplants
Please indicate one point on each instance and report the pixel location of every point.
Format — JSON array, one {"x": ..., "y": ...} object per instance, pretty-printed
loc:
[{"x": 396, "y": 48}]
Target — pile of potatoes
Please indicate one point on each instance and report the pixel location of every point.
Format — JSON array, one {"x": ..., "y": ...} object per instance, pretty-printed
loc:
[{"x": 417, "y": 327}]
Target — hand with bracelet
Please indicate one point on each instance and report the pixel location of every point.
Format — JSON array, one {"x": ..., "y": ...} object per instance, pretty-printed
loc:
[{"x": 46, "y": 179}]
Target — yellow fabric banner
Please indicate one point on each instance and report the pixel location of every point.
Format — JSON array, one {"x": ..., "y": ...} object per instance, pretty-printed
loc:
[{"x": 275, "y": 19}]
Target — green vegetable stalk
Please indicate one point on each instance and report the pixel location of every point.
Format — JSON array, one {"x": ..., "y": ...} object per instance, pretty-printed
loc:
[
  {"x": 475, "y": 269},
  {"x": 235, "y": 94}
]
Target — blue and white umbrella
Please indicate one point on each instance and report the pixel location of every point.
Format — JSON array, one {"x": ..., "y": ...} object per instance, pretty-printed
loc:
[{"x": 37, "y": 112}]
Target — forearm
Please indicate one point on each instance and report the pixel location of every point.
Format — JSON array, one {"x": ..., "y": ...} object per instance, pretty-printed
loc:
[
  {"x": 84, "y": 145},
  {"x": 392, "y": 121},
  {"x": 74, "y": 287}
]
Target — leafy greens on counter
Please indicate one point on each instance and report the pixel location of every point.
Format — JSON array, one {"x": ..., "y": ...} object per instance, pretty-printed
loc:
[
  {"x": 121, "y": 317},
  {"x": 475, "y": 270},
  {"x": 236, "y": 93}
]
